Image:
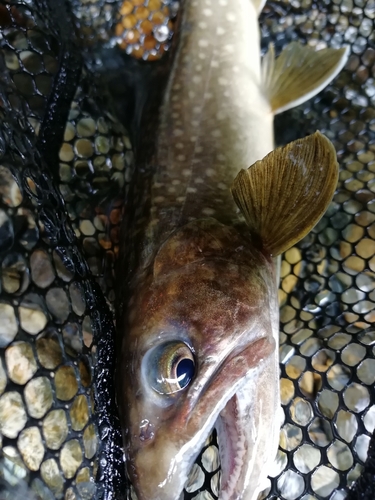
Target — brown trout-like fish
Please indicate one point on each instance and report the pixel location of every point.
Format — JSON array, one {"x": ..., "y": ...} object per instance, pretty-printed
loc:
[{"x": 198, "y": 326}]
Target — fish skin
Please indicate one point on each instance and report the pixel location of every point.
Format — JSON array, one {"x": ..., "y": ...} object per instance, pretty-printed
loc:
[
  {"x": 214, "y": 119},
  {"x": 189, "y": 264},
  {"x": 208, "y": 287}
]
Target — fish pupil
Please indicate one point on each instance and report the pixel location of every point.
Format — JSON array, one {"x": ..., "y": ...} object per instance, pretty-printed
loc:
[{"x": 185, "y": 372}]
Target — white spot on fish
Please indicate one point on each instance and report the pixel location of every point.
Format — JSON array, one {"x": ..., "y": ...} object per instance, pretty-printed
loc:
[
  {"x": 171, "y": 189},
  {"x": 186, "y": 172},
  {"x": 198, "y": 180},
  {"x": 236, "y": 69},
  {"x": 159, "y": 199},
  {"x": 216, "y": 133},
  {"x": 175, "y": 97},
  {"x": 207, "y": 12},
  {"x": 181, "y": 157},
  {"x": 229, "y": 48},
  {"x": 222, "y": 81},
  {"x": 197, "y": 79},
  {"x": 158, "y": 185},
  {"x": 214, "y": 63},
  {"x": 208, "y": 211},
  {"x": 208, "y": 95},
  {"x": 197, "y": 109},
  {"x": 191, "y": 94},
  {"x": 221, "y": 157},
  {"x": 176, "y": 86},
  {"x": 201, "y": 55},
  {"x": 223, "y": 3},
  {"x": 193, "y": 138},
  {"x": 175, "y": 115},
  {"x": 191, "y": 190},
  {"x": 231, "y": 17},
  {"x": 210, "y": 172},
  {"x": 179, "y": 145},
  {"x": 177, "y": 132},
  {"x": 221, "y": 115},
  {"x": 198, "y": 67},
  {"x": 222, "y": 186},
  {"x": 202, "y": 25},
  {"x": 220, "y": 31},
  {"x": 181, "y": 199},
  {"x": 176, "y": 182},
  {"x": 198, "y": 149},
  {"x": 203, "y": 43}
]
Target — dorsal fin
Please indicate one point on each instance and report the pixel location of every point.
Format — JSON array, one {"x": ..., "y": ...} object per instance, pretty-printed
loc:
[
  {"x": 299, "y": 73},
  {"x": 284, "y": 195}
]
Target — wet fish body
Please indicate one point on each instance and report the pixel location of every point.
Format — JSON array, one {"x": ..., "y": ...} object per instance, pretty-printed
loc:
[{"x": 198, "y": 327}]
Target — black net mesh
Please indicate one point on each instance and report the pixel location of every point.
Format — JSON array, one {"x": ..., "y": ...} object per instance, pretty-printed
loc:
[
  {"x": 54, "y": 317},
  {"x": 65, "y": 161}
]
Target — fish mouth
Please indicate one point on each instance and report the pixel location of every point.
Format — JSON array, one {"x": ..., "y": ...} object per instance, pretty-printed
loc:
[
  {"x": 235, "y": 418},
  {"x": 231, "y": 444},
  {"x": 232, "y": 448}
]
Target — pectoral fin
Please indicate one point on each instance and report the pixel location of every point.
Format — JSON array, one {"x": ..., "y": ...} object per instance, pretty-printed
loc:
[
  {"x": 299, "y": 73},
  {"x": 284, "y": 195}
]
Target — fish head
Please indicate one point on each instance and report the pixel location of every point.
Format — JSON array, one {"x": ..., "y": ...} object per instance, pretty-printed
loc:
[{"x": 200, "y": 330}]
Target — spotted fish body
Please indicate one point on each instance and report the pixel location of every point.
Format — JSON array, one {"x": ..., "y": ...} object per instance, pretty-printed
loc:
[
  {"x": 201, "y": 276},
  {"x": 214, "y": 118}
]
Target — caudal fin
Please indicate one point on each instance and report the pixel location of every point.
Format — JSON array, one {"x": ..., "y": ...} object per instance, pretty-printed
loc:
[
  {"x": 299, "y": 73},
  {"x": 284, "y": 195}
]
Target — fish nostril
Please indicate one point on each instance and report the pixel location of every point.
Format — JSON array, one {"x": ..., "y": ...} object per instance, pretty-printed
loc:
[{"x": 146, "y": 431}]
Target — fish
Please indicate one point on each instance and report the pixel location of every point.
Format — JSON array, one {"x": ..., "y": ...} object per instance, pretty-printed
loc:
[
  {"x": 320, "y": 434},
  {"x": 198, "y": 323}
]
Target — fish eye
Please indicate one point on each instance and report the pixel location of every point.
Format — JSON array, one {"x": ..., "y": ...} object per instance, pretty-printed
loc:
[{"x": 169, "y": 367}]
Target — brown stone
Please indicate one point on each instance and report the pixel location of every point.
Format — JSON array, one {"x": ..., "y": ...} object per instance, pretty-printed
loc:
[
  {"x": 55, "y": 429},
  {"x": 70, "y": 458},
  {"x": 66, "y": 383},
  {"x": 31, "y": 447},
  {"x": 38, "y": 397},
  {"x": 13, "y": 416},
  {"x": 20, "y": 362}
]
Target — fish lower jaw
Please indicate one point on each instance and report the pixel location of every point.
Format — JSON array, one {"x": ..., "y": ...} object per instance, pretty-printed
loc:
[
  {"x": 228, "y": 442},
  {"x": 232, "y": 451}
]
